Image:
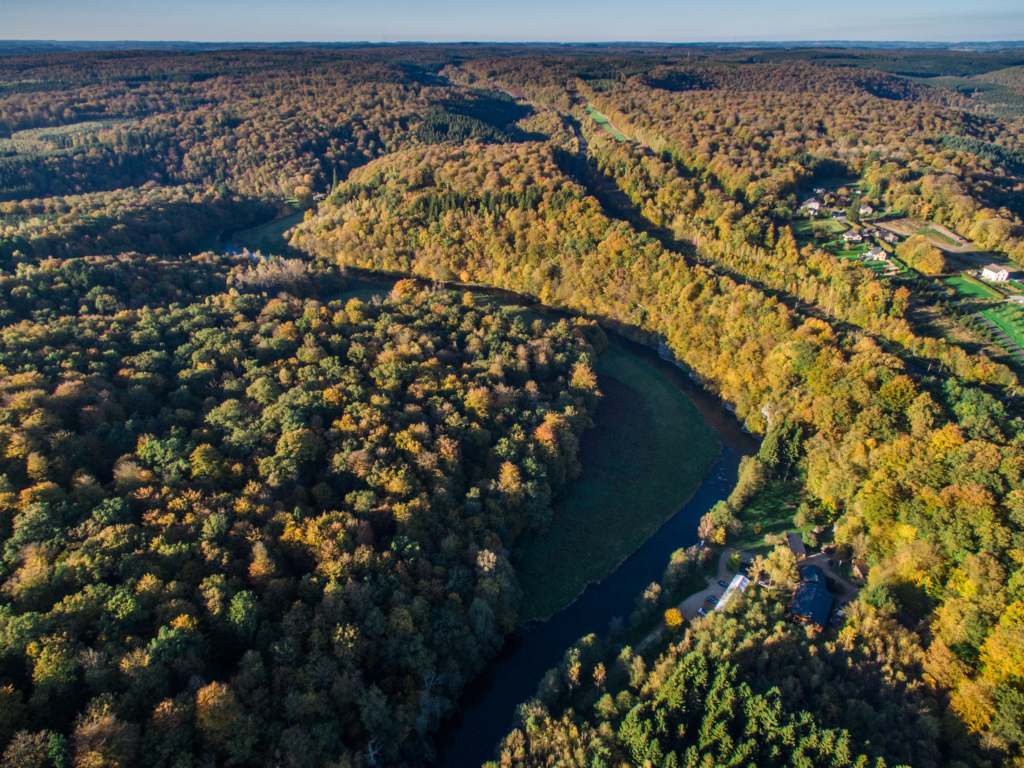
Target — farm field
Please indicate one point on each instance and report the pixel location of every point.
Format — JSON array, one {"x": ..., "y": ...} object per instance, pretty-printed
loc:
[
  {"x": 648, "y": 453},
  {"x": 971, "y": 288}
]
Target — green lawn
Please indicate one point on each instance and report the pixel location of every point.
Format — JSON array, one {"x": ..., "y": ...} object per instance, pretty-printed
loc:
[
  {"x": 268, "y": 238},
  {"x": 1010, "y": 319},
  {"x": 972, "y": 288},
  {"x": 603, "y": 122},
  {"x": 773, "y": 508},
  {"x": 647, "y": 455}
]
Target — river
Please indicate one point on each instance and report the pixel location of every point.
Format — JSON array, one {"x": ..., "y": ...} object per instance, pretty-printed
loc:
[{"x": 487, "y": 707}]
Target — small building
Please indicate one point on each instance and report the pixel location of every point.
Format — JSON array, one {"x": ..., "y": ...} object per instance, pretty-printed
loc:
[
  {"x": 860, "y": 569},
  {"x": 876, "y": 254},
  {"x": 811, "y": 605},
  {"x": 811, "y": 205},
  {"x": 738, "y": 584},
  {"x": 796, "y": 544},
  {"x": 866, "y": 210},
  {"x": 891, "y": 237},
  {"x": 853, "y": 237},
  {"x": 1016, "y": 299},
  {"x": 819, "y": 190},
  {"x": 319, "y": 197},
  {"x": 995, "y": 273}
]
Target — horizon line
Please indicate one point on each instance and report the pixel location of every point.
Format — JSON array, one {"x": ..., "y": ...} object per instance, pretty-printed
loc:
[{"x": 658, "y": 43}]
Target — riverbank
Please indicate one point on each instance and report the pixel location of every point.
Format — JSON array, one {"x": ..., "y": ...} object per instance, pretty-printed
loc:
[{"x": 647, "y": 454}]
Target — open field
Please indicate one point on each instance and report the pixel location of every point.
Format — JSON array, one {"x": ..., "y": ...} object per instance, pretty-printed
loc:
[
  {"x": 773, "y": 509},
  {"x": 603, "y": 122},
  {"x": 1009, "y": 318},
  {"x": 972, "y": 288},
  {"x": 269, "y": 238},
  {"x": 937, "y": 234},
  {"x": 647, "y": 455}
]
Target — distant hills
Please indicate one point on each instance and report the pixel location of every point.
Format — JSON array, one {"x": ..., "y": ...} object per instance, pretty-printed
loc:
[{"x": 70, "y": 46}]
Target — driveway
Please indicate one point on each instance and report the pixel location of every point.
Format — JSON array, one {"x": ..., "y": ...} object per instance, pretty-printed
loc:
[{"x": 690, "y": 605}]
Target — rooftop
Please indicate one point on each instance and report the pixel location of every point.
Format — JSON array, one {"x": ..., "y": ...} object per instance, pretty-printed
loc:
[
  {"x": 811, "y": 602},
  {"x": 812, "y": 574},
  {"x": 796, "y": 544},
  {"x": 738, "y": 584}
]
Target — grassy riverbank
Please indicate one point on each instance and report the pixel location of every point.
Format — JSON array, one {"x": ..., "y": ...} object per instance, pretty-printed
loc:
[
  {"x": 647, "y": 455},
  {"x": 269, "y": 238}
]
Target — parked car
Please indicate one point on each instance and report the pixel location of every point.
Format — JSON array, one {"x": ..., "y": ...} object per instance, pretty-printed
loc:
[
  {"x": 712, "y": 599},
  {"x": 723, "y": 584},
  {"x": 702, "y": 612}
]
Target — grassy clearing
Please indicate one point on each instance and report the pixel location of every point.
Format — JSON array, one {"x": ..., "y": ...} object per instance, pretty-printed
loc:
[
  {"x": 773, "y": 509},
  {"x": 603, "y": 122},
  {"x": 269, "y": 238},
  {"x": 647, "y": 455},
  {"x": 937, "y": 237},
  {"x": 972, "y": 288},
  {"x": 1010, "y": 319}
]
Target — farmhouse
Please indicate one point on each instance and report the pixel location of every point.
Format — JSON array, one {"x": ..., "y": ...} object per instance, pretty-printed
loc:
[
  {"x": 853, "y": 237},
  {"x": 876, "y": 254},
  {"x": 995, "y": 273},
  {"x": 796, "y": 544}
]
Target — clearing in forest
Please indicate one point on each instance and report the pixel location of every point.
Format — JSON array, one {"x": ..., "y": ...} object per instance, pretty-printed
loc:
[{"x": 603, "y": 122}]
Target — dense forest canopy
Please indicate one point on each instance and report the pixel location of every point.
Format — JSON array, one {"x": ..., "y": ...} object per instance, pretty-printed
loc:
[{"x": 247, "y": 519}]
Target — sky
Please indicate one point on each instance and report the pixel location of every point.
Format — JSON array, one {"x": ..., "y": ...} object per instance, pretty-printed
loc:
[{"x": 512, "y": 20}]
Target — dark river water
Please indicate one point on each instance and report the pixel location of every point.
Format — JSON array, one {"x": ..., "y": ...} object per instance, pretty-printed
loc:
[{"x": 487, "y": 708}]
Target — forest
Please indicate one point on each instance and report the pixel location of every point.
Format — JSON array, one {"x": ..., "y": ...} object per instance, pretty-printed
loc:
[{"x": 248, "y": 518}]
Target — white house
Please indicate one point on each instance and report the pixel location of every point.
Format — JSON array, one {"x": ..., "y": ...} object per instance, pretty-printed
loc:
[
  {"x": 852, "y": 237},
  {"x": 811, "y": 205},
  {"x": 866, "y": 210},
  {"x": 891, "y": 237},
  {"x": 1016, "y": 299},
  {"x": 876, "y": 254},
  {"x": 995, "y": 273}
]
